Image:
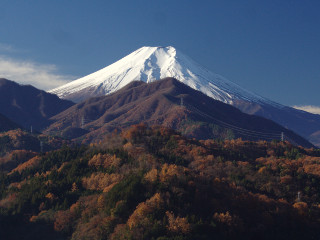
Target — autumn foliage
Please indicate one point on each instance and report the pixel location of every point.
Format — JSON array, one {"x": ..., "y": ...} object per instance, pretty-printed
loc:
[{"x": 157, "y": 184}]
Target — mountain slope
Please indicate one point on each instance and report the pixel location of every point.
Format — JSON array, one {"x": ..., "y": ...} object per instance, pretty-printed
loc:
[
  {"x": 152, "y": 63},
  {"x": 18, "y": 146},
  {"x": 304, "y": 123},
  {"x": 29, "y": 106},
  {"x": 6, "y": 124},
  {"x": 160, "y": 103}
]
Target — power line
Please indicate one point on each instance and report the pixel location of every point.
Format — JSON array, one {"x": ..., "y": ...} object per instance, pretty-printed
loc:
[
  {"x": 235, "y": 127},
  {"x": 246, "y": 132},
  {"x": 242, "y": 131}
]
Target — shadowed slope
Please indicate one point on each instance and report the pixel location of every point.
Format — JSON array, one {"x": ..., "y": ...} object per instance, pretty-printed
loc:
[
  {"x": 6, "y": 124},
  {"x": 27, "y": 105}
]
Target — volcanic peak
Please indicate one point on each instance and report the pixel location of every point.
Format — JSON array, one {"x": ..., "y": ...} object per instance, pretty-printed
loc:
[{"x": 149, "y": 64}]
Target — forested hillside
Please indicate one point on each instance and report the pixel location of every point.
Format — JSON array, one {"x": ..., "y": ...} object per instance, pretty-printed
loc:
[
  {"x": 153, "y": 183},
  {"x": 17, "y": 146}
]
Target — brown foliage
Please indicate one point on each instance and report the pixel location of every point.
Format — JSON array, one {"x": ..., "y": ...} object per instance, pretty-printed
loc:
[
  {"x": 51, "y": 196},
  {"x": 8, "y": 200},
  {"x": 177, "y": 224},
  {"x": 286, "y": 179},
  {"x": 98, "y": 227},
  {"x": 31, "y": 163},
  {"x": 152, "y": 175},
  {"x": 171, "y": 171},
  {"x": 139, "y": 216},
  {"x": 63, "y": 220},
  {"x": 121, "y": 231},
  {"x": 12, "y": 159},
  {"x": 224, "y": 218},
  {"x": 310, "y": 165},
  {"x": 104, "y": 160},
  {"x": 301, "y": 207},
  {"x": 135, "y": 132},
  {"x": 44, "y": 215},
  {"x": 101, "y": 181}
]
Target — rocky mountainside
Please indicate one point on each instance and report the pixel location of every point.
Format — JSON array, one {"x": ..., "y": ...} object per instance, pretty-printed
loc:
[{"x": 169, "y": 103}]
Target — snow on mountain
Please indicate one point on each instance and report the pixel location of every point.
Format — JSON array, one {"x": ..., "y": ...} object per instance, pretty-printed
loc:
[{"x": 153, "y": 63}]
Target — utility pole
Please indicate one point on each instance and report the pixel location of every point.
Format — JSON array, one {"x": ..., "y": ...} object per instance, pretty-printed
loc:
[
  {"x": 282, "y": 137},
  {"x": 181, "y": 101},
  {"x": 82, "y": 122},
  {"x": 31, "y": 129},
  {"x": 299, "y": 197},
  {"x": 41, "y": 146}
]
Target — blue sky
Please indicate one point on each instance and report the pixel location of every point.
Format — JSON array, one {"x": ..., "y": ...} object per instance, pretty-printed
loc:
[{"x": 268, "y": 47}]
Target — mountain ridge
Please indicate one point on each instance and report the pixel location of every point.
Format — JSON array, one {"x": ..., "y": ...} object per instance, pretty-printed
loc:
[
  {"x": 6, "y": 124},
  {"x": 159, "y": 103},
  {"x": 29, "y": 106}
]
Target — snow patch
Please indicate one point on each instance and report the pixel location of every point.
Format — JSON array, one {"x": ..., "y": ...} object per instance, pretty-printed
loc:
[{"x": 309, "y": 108}]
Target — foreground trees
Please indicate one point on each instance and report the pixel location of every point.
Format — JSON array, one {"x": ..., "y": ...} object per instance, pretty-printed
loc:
[{"x": 156, "y": 184}]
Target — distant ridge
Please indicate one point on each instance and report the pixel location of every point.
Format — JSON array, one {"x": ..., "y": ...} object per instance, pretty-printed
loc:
[
  {"x": 6, "y": 124},
  {"x": 159, "y": 103},
  {"x": 29, "y": 106}
]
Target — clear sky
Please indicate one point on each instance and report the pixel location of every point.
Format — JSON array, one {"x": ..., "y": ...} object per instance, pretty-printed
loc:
[{"x": 266, "y": 46}]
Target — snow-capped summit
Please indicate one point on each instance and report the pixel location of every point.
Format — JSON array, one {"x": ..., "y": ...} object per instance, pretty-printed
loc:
[{"x": 153, "y": 63}]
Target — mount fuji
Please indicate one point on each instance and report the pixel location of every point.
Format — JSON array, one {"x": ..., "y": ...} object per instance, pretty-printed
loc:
[{"x": 149, "y": 64}]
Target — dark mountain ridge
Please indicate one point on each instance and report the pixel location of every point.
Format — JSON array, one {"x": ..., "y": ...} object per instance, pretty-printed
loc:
[
  {"x": 6, "y": 124},
  {"x": 304, "y": 123},
  {"x": 170, "y": 103},
  {"x": 29, "y": 106}
]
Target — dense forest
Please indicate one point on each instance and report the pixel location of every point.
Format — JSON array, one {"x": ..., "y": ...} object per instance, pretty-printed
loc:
[{"x": 153, "y": 183}]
